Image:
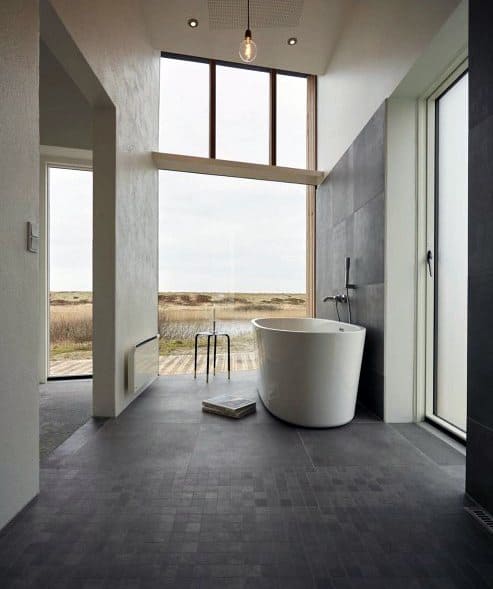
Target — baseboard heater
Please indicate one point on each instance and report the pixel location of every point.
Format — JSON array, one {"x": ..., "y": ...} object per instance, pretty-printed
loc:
[{"x": 143, "y": 365}]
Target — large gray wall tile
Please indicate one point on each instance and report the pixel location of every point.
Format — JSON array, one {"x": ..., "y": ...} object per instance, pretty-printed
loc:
[
  {"x": 369, "y": 228},
  {"x": 480, "y": 350},
  {"x": 341, "y": 246},
  {"x": 370, "y": 393},
  {"x": 351, "y": 222},
  {"x": 481, "y": 198},
  {"x": 480, "y": 61},
  {"x": 341, "y": 188},
  {"x": 369, "y": 160},
  {"x": 323, "y": 219},
  {"x": 479, "y": 463},
  {"x": 367, "y": 307},
  {"x": 479, "y": 481}
]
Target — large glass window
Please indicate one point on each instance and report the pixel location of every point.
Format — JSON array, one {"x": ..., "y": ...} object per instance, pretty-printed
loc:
[
  {"x": 70, "y": 271},
  {"x": 224, "y": 245},
  {"x": 242, "y": 114},
  {"x": 231, "y": 112},
  {"x": 291, "y": 121},
  {"x": 184, "y": 107}
]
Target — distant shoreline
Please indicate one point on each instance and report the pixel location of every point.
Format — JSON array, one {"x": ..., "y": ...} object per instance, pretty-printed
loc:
[{"x": 191, "y": 292}]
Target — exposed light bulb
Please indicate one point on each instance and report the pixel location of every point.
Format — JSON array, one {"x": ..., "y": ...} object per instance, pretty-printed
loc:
[{"x": 248, "y": 48}]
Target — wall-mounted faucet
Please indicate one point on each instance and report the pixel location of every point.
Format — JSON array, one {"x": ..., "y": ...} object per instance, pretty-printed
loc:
[
  {"x": 348, "y": 287},
  {"x": 338, "y": 298},
  {"x": 343, "y": 297},
  {"x": 347, "y": 284}
]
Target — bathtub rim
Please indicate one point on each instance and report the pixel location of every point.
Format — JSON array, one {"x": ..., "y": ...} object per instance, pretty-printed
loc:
[{"x": 354, "y": 329}]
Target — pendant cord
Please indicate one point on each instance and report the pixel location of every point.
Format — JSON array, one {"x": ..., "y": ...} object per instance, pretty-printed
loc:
[{"x": 248, "y": 14}]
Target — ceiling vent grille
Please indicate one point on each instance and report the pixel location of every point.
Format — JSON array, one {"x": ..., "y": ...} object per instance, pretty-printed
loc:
[
  {"x": 482, "y": 516},
  {"x": 232, "y": 14}
]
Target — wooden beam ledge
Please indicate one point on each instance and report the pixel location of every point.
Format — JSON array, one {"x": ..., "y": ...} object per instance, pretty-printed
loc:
[{"x": 215, "y": 167}]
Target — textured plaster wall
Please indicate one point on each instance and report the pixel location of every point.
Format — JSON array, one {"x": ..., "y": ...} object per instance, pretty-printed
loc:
[
  {"x": 65, "y": 117},
  {"x": 377, "y": 48},
  {"x": 19, "y": 173},
  {"x": 115, "y": 44}
]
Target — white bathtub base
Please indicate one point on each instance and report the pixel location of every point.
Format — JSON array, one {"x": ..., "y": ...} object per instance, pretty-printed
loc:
[
  {"x": 304, "y": 420},
  {"x": 309, "y": 369}
]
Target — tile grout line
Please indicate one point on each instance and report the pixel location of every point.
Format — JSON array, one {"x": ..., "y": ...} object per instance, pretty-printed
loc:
[
  {"x": 318, "y": 505},
  {"x": 187, "y": 468},
  {"x": 418, "y": 450},
  {"x": 305, "y": 449}
]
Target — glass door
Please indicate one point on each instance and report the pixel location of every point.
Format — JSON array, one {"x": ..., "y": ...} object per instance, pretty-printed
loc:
[
  {"x": 447, "y": 256},
  {"x": 69, "y": 192}
]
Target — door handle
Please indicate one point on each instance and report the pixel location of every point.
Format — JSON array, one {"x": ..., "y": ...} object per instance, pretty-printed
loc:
[{"x": 429, "y": 260}]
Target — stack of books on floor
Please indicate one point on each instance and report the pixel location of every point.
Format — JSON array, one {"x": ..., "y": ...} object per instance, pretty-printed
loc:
[{"x": 229, "y": 406}]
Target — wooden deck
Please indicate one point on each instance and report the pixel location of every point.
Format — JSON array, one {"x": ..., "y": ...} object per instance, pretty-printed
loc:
[{"x": 168, "y": 365}]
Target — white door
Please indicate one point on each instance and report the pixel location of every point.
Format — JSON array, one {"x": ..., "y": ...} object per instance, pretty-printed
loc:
[{"x": 447, "y": 256}]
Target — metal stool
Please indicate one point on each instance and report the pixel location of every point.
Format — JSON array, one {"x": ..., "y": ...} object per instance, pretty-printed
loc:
[{"x": 211, "y": 334}]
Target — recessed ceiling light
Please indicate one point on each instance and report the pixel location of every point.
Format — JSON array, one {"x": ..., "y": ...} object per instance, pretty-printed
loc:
[
  {"x": 292, "y": 41},
  {"x": 193, "y": 23}
]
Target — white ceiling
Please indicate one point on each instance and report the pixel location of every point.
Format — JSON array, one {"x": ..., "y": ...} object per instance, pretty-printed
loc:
[{"x": 317, "y": 24}]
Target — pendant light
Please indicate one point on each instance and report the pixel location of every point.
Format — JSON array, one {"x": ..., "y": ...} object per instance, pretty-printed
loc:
[{"x": 248, "y": 49}]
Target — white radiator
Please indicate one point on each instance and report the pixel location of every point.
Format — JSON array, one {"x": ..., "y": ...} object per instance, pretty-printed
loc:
[{"x": 143, "y": 365}]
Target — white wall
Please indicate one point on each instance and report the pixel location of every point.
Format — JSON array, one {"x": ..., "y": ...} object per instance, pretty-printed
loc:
[
  {"x": 405, "y": 237},
  {"x": 65, "y": 117},
  {"x": 400, "y": 260},
  {"x": 377, "y": 48},
  {"x": 19, "y": 173},
  {"x": 115, "y": 44}
]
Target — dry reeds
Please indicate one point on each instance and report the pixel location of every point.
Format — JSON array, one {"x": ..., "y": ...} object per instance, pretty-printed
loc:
[
  {"x": 180, "y": 317},
  {"x": 70, "y": 324}
]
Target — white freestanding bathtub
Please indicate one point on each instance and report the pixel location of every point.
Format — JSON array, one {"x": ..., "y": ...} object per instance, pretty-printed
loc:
[{"x": 309, "y": 369}]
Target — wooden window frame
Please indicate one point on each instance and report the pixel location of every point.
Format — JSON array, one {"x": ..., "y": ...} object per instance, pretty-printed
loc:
[
  {"x": 261, "y": 171},
  {"x": 273, "y": 73},
  {"x": 311, "y": 162}
]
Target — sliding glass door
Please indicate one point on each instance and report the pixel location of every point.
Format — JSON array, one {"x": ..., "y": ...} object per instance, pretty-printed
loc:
[
  {"x": 69, "y": 192},
  {"x": 448, "y": 255}
]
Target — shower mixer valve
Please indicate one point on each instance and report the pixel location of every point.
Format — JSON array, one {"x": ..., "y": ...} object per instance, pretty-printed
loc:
[{"x": 343, "y": 298}]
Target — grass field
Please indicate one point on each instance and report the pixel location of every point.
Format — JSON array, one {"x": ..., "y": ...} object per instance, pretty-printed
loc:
[
  {"x": 180, "y": 316},
  {"x": 70, "y": 325}
]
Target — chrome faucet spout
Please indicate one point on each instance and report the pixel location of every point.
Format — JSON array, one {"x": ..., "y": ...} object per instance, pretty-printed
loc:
[{"x": 338, "y": 298}]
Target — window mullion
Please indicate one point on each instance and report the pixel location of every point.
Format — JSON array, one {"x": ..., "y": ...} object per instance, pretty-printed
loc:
[
  {"x": 273, "y": 119},
  {"x": 212, "y": 109}
]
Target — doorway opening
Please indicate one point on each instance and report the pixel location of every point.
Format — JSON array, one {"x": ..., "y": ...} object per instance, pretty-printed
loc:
[
  {"x": 69, "y": 249},
  {"x": 73, "y": 110}
]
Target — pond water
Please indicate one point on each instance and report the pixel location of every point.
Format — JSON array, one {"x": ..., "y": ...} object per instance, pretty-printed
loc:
[{"x": 184, "y": 329}]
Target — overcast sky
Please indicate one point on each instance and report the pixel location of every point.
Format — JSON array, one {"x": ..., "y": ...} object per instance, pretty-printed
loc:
[
  {"x": 70, "y": 229},
  {"x": 215, "y": 234}
]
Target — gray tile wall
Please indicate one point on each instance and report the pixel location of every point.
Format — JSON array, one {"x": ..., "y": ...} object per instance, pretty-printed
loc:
[
  {"x": 351, "y": 222},
  {"x": 479, "y": 480}
]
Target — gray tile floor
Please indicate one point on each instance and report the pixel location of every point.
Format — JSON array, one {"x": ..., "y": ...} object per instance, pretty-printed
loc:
[
  {"x": 63, "y": 407},
  {"x": 166, "y": 496}
]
